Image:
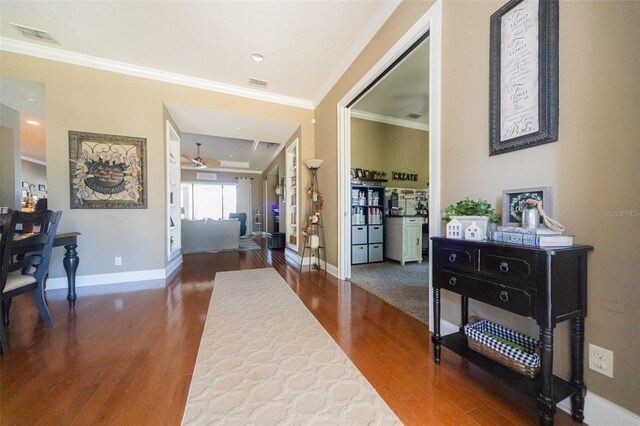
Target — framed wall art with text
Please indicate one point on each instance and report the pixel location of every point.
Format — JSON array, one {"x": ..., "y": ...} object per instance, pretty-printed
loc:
[{"x": 523, "y": 85}]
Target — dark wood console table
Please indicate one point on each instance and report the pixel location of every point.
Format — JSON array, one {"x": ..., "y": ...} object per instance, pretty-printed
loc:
[
  {"x": 68, "y": 240},
  {"x": 546, "y": 284}
]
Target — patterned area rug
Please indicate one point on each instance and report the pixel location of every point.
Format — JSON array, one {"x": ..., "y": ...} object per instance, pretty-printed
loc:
[
  {"x": 264, "y": 359},
  {"x": 405, "y": 287},
  {"x": 247, "y": 244}
]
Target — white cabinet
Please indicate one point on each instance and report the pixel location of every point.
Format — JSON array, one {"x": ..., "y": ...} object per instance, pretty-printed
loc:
[
  {"x": 173, "y": 193},
  {"x": 403, "y": 238}
]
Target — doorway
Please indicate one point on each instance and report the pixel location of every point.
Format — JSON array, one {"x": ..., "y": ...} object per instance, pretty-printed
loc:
[
  {"x": 428, "y": 23},
  {"x": 390, "y": 159}
]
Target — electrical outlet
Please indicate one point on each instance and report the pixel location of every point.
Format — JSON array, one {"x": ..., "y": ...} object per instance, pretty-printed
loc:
[
  {"x": 601, "y": 360},
  {"x": 118, "y": 261}
]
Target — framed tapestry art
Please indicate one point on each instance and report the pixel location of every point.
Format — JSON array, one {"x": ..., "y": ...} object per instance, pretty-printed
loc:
[
  {"x": 107, "y": 171},
  {"x": 523, "y": 75}
]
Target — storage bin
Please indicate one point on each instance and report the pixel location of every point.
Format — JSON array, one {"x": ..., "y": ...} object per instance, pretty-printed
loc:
[
  {"x": 376, "y": 234},
  {"x": 275, "y": 240},
  {"x": 508, "y": 347},
  {"x": 359, "y": 234},
  {"x": 358, "y": 254},
  {"x": 375, "y": 253}
]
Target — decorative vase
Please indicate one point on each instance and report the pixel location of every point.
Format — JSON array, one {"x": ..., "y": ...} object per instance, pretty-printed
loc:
[{"x": 530, "y": 217}]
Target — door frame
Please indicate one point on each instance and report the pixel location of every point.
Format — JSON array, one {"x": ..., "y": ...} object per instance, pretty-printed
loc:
[{"x": 431, "y": 21}]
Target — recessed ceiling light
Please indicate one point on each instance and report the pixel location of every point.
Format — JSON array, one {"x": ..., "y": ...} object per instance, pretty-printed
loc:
[
  {"x": 32, "y": 122},
  {"x": 29, "y": 99},
  {"x": 257, "y": 57},
  {"x": 231, "y": 155},
  {"x": 238, "y": 128}
]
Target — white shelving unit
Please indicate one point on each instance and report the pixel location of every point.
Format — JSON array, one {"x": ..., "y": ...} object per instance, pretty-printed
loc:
[
  {"x": 292, "y": 196},
  {"x": 174, "y": 221}
]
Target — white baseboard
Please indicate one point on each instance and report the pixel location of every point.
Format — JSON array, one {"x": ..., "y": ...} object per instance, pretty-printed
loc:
[
  {"x": 104, "y": 279},
  {"x": 602, "y": 412},
  {"x": 173, "y": 265},
  {"x": 447, "y": 327},
  {"x": 292, "y": 255},
  {"x": 597, "y": 410},
  {"x": 331, "y": 269}
]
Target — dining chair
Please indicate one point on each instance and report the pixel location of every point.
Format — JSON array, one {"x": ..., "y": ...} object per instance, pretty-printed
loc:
[{"x": 25, "y": 261}]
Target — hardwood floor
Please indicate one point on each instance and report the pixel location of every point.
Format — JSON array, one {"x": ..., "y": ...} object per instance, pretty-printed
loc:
[{"x": 126, "y": 356}]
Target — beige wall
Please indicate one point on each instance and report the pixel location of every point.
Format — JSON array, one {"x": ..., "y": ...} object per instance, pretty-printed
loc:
[
  {"x": 593, "y": 168},
  {"x": 387, "y": 148},
  {"x": 85, "y": 99},
  {"x": 10, "y": 163}
]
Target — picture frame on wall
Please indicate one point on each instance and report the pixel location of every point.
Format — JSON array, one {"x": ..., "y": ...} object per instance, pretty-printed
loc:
[
  {"x": 25, "y": 185},
  {"x": 107, "y": 171},
  {"x": 42, "y": 187},
  {"x": 523, "y": 75},
  {"x": 513, "y": 201}
]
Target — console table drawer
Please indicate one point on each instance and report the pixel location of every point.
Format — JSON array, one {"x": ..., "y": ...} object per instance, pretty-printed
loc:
[
  {"x": 457, "y": 258},
  {"x": 518, "y": 266},
  {"x": 511, "y": 299}
]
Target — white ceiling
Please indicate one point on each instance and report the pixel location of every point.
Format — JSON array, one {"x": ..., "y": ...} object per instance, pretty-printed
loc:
[
  {"x": 239, "y": 141},
  {"x": 402, "y": 91},
  {"x": 307, "y": 45},
  {"x": 27, "y": 98}
]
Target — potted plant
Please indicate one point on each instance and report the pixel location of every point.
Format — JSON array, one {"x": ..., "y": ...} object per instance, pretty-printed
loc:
[{"x": 468, "y": 211}]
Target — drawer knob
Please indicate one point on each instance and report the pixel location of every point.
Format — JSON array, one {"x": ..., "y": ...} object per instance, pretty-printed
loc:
[
  {"x": 504, "y": 296},
  {"x": 452, "y": 280},
  {"x": 504, "y": 267},
  {"x": 452, "y": 257}
]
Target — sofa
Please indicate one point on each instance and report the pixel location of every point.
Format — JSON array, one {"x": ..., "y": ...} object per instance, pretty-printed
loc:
[{"x": 207, "y": 235}]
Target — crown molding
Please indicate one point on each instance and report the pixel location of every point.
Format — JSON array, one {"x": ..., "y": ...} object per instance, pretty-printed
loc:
[
  {"x": 33, "y": 160},
  {"x": 386, "y": 10},
  {"x": 46, "y": 52},
  {"x": 389, "y": 120}
]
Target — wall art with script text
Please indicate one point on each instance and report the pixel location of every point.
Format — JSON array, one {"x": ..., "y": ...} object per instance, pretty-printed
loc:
[
  {"x": 523, "y": 87},
  {"x": 107, "y": 171}
]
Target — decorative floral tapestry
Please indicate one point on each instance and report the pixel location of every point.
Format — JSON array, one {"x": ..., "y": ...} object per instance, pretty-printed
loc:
[{"x": 107, "y": 171}]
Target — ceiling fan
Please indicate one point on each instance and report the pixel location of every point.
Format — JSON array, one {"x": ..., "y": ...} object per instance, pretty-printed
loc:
[{"x": 199, "y": 162}]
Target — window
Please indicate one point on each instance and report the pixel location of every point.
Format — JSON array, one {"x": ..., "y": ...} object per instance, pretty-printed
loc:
[{"x": 200, "y": 200}]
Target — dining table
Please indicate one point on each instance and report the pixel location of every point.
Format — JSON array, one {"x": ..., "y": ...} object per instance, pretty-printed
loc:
[{"x": 68, "y": 240}]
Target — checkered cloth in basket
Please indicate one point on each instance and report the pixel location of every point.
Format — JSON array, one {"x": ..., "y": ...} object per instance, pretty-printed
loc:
[{"x": 528, "y": 356}]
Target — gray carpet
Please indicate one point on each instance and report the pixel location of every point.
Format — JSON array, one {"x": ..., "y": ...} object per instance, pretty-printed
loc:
[
  {"x": 247, "y": 244},
  {"x": 405, "y": 287}
]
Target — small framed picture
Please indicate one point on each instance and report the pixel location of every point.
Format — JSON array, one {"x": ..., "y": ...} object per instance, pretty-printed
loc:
[
  {"x": 366, "y": 174},
  {"x": 353, "y": 173},
  {"x": 359, "y": 173},
  {"x": 513, "y": 201},
  {"x": 25, "y": 184},
  {"x": 42, "y": 187}
]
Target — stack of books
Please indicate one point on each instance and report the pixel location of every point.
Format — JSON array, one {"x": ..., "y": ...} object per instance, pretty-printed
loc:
[{"x": 539, "y": 237}]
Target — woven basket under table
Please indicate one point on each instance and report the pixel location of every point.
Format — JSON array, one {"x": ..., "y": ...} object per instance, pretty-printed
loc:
[{"x": 525, "y": 362}]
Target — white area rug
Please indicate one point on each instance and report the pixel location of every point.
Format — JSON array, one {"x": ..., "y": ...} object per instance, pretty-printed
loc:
[{"x": 265, "y": 360}]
